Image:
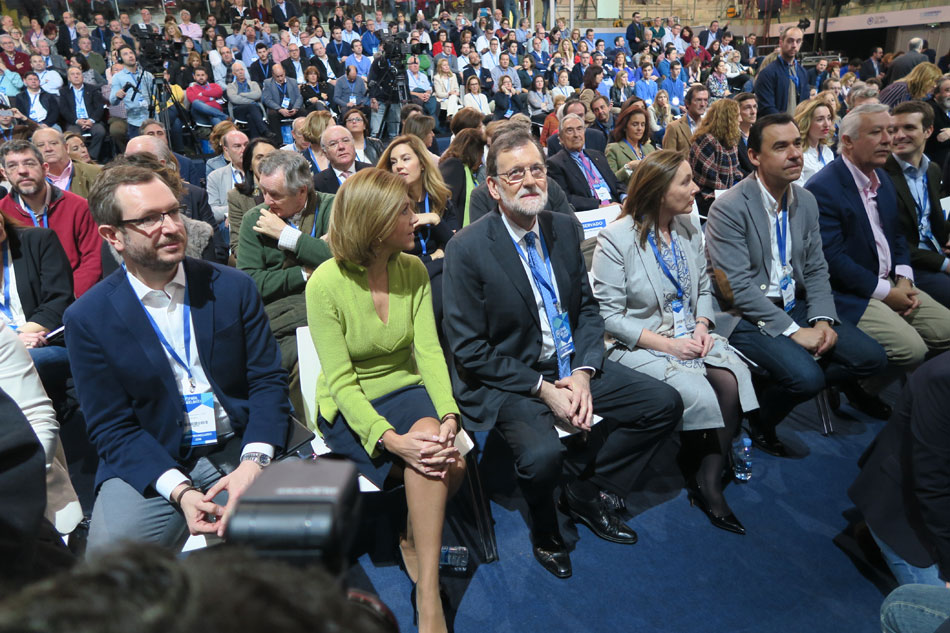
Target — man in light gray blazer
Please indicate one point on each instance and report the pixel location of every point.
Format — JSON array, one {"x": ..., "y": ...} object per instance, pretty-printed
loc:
[
  {"x": 224, "y": 179},
  {"x": 282, "y": 100},
  {"x": 770, "y": 278}
]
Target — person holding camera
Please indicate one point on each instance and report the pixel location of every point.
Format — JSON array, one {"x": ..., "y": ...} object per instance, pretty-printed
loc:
[{"x": 131, "y": 87}]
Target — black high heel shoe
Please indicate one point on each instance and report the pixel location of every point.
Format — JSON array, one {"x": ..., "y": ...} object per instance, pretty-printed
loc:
[{"x": 728, "y": 522}]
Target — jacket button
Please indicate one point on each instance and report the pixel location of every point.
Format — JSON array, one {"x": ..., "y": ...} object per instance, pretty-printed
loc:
[
  {"x": 763, "y": 287},
  {"x": 761, "y": 324}
]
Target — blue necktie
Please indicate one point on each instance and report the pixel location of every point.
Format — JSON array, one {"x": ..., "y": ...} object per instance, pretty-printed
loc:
[{"x": 546, "y": 287}]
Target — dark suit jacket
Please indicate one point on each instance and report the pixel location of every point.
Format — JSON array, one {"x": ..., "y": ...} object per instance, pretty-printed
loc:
[
  {"x": 903, "y": 65},
  {"x": 491, "y": 319},
  {"x": 334, "y": 64},
  {"x": 453, "y": 173},
  {"x": 938, "y": 151},
  {"x": 747, "y": 54},
  {"x": 327, "y": 182},
  {"x": 191, "y": 170},
  {"x": 126, "y": 386},
  {"x": 503, "y": 103},
  {"x": 847, "y": 239},
  {"x": 91, "y": 96},
  {"x": 485, "y": 79},
  {"x": 22, "y": 103},
  {"x": 64, "y": 45},
  {"x": 867, "y": 70},
  {"x": 564, "y": 171},
  {"x": 771, "y": 87},
  {"x": 904, "y": 484},
  {"x": 744, "y": 163},
  {"x": 922, "y": 258},
  {"x": 197, "y": 207},
  {"x": 576, "y": 78},
  {"x": 44, "y": 280},
  {"x": 256, "y": 70},
  {"x": 593, "y": 139},
  {"x": 280, "y": 15},
  {"x": 288, "y": 65}
]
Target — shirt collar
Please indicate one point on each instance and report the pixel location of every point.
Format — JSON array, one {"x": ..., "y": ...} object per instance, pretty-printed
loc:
[
  {"x": 141, "y": 290},
  {"x": 771, "y": 204},
  {"x": 866, "y": 185},
  {"x": 516, "y": 232},
  {"x": 339, "y": 172},
  {"x": 910, "y": 170}
]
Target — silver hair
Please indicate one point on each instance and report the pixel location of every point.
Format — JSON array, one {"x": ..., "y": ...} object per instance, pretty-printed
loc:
[
  {"x": 570, "y": 115},
  {"x": 294, "y": 166},
  {"x": 861, "y": 90},
  {"x": 851, "y": 123},
  {"x": 915, "y": 44}
]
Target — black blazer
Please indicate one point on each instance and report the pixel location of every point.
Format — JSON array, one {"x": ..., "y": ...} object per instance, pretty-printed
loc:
[
  {"x": 91, "y": 96},
  {"x": 281, "y": 15},
  {"x": 327, "y": 182},
  {"x": 922, "y": 258},
  {"x": 576, "y": 77},
  {"x": 593, "y": 139},
  {"x": 22, "y": 103},
  {"x": 491, "y": 319},
  {"x": 565, "y": 172},
  {"x": 257, "y": 71},
  {"x": 744, "y": 163},
  {"x": 453, "y": 173},
  {"x": 288, "y": 65},
  {"x": 904, "y": 483},
  {"x": 44, "y": 280},
  {"x": 502, "y": 104},
  {"x": 867, "y": 70},
  {"x": 938, "y": 151},
  {"x": 333, "y": 64}
]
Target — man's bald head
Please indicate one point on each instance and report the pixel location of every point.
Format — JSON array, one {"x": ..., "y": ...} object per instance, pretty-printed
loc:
[{"x": 149, "y": 145}]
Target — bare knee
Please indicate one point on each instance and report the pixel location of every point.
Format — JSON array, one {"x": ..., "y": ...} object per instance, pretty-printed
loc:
[{"x": 427, "y": 425}]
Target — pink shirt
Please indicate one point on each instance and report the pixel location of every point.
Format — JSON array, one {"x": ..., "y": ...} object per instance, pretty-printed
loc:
[
  {"x": 867, "y": 187},
  {"x": 64, "y": 179}
]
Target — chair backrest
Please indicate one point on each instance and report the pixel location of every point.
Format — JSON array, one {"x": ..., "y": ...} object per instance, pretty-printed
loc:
[{"x": 595, "y": 220}]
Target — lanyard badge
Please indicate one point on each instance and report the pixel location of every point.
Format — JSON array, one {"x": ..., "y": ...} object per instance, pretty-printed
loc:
[{"x": 786, "y": 283}]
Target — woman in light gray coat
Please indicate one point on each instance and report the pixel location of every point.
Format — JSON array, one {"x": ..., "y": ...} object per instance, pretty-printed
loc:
[{"x": 649, "y": 273}]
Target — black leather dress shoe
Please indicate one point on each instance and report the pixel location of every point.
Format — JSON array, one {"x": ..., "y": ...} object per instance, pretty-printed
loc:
[
  {"x": 551, "y": 552},
  {"x": 867, "y": 403},
  {"x": 767, "y": 440},
  {"x": 599, "y": 516}
]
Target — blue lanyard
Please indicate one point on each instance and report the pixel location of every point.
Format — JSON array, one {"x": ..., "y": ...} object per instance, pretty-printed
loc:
[
  {"x": 427, "y": 228},
  {"x": 186, "y": 327},
  {"x": 664, "y": 267},
  {"x": 34, "y": 100},
  {"x": 821, "y": 156},
  {"x": 43, "y": 221},
  {"x": 793, "y": 74},
  {"x": 923, "y": 228},
  {"x": 234, "y": 176},
  {"x": 69, "y": 183},
  {"x": 314, "y": 159},
  {"x": 547, "y": 283},
  {"x": 338, "y": 47},
  {"x": 638, "y": 156},
  {"x": 923, "y": 200},
  {"x": 6, "y": 308},
  {"x": 781, "y": 231},
  {"x": 266, "y": 70}
]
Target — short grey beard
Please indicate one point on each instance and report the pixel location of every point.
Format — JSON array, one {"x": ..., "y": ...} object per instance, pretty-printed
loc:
[{"x": 513, "y": 204}]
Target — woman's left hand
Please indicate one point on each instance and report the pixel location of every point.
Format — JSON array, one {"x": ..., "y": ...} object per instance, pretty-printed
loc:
[
  {"x": 437, "y": 254},
  {"x": 701, "y": 336},
  {"x": 428, "y": 218}
]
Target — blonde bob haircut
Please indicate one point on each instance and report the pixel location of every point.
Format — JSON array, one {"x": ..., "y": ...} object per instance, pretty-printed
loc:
[
  {"x": 314, "y": 126},
  {"x": 805, "y": 114},
  {"x": 365, "y": 211},
  {"x": 432, "y": 181}
]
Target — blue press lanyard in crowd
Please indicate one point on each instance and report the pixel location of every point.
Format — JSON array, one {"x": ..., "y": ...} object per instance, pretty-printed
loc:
[
  {"x": 338, "y": 47},
  {"x": 427, "y": 228},
  {"x": 921, "y": 212},
  {"x": 664, "y": 267},
  {"x": 283, "y": 89},
  {"x": 33, "y": 100},
  {"x": 266, "y": 70},
  {"x": 69, "y": 183},
  {"x": 821, "y": 155},
  {"x": 638, "y": 156},
  {"x": 781, "y": 232},
  {"x": 316, "y": 165},
  {"x": 234, "y": 176},
  {"x": 43, "y": 221},
  {"x": 186, "y": 327},
  {"x": 313, "y": 229},
  {"x": 793, "y": 73},
  {"x": 6, "y": 308},
  {"x": 547, "y": 262}
]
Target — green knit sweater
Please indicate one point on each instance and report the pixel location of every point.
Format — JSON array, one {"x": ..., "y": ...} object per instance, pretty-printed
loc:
[
  {"x": 363, "y": 358},
  {"x": 276, "y": 272}
]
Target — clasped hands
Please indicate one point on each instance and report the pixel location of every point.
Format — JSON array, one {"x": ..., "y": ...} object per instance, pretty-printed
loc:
[
  {"x": 569, "y": 399},
  {"x": 691, "y": 347},
  {"x": 425, "y": 453},
  {"x": 202, "y": 514},
  {"x": 817, "y": 339}
]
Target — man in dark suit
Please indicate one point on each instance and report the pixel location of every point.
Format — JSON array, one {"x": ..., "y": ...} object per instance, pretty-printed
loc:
[
  {"x": 166, "y": 356},
  {"x": 906, "y": 62},
  {"x": 867, "y": 255},
  {"x": 485, "y": 81},
  {"x": 582, "y": 173},
  {"x": 527, "y": 344},
  {"x": 707, "y": 36},
  {"x": 783, "y": 84},
  {"x": 917, "y": 181},
  {"x": 340, "y": 150},
  {"x": 938, "y": 145},
  {"x": 904, "y": 480},
  {"x": 748, "y": 113},
  {"x": 296, "y": 64},
  {"x": 82, "y": 110},
  {"x": 872, "y": 68},
  {"x": 35, "y": 103},
  {"x": 747, "y": 52},
  {"x": 192, "y": 170},
  {"x": 635, "y": 32},
  {"x": 576, "y": 78},
  {"x": 593, "y": 139},
  {"x": 281, "y": 11},
  {"x": 261, "y": 69},
  {"x": 66, "y": 40},
  {"x": 775, "y": 296}
]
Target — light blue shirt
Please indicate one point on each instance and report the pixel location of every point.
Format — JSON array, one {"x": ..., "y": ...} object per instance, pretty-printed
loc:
[
  {"x": 135, "y": 101},
  {"x": 418, "y": 82},
  {"x": 918, "y": 191}
]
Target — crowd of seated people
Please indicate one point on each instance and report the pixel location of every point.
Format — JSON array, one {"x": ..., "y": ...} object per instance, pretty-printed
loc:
[{"x": 761, "y": 214}]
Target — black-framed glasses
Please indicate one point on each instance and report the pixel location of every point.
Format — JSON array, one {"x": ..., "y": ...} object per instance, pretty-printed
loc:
[
  {"x": 516, "y": 176},
  {"x": 153, "y": 220}
]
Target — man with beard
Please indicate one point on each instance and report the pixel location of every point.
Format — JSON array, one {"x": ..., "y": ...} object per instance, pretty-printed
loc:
[
  {"x": 526, "y": 338},
  {"x": 34, "y": 201},
  {"x": 166, "y": 353}
]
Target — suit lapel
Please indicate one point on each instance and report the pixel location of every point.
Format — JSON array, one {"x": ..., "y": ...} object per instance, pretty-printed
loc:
[
  {"x": 760, "y": 218},
  {"x": 856, "y": 205},
  {"x": 201, "y": 298},
  {"x": 651, "y": 266},
  {"x": 900, "y": 185},
  {"x": 507, "y": 258}
]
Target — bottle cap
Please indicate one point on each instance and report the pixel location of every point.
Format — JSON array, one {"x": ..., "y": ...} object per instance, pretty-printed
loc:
[{"x": 746, "y": 441}]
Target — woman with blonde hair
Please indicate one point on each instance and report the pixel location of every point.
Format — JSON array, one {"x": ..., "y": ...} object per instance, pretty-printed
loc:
[
  {"x": 314, "y": 126},
  {"x": 474, "y": 98},
  {"x": 916, "y": 84},
  {"x": 649, "y": 278},
  {"x": 713, "y": 152},
  {"x": 408, "y": 158},
  {"x": 566, "y": 49},
  {"x": 445, "y": 86},
  {"x": 815, "y": 123},
  {"x": 384, "y": 398}
]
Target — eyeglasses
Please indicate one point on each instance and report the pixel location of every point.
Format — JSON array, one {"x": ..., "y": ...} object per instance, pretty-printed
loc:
[
  {"x": 516, "y": 176},
  {"x": 153, "y": 220},
  {"x": 354, "y": 119},
  {"x": 343, "y": 141}
]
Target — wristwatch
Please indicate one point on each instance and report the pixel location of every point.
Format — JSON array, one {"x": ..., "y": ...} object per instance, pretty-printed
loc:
[{"x": 261, "y": 459}]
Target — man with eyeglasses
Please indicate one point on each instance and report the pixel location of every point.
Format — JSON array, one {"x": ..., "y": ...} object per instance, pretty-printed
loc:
[
  {"x": 527, "y": 341},
  {"x": 340, "y": 149},
  {"x": 280, "y": 245},
  {"x": 34, "y": 201},
  {"x": 583, "y": 173},
  {"x": 166, "y": 353}
]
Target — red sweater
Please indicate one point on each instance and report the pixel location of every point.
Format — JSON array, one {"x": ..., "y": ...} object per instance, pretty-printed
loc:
[
  {"x": 70, "y": 219},
  {"x": 205, "y": 94}
]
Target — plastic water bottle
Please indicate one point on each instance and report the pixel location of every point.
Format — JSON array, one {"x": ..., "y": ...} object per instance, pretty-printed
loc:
[
  {"x": 454, "y": 558},
  {"x": 742, "y": 454}
]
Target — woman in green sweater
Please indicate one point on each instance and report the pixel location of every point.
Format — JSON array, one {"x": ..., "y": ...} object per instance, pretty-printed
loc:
[
  {"x": 631, "y": 142},
  {"x": 384, "y": 398}
]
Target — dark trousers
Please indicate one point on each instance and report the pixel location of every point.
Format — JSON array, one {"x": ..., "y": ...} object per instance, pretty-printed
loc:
[
  {"x": 274, "y": 119},
  {"x": 638, "y": 411},
  {"x": 793, "y": 375},
  {"x": 937, "y": 285},
  {"x": 431, "y": 107},
  {"x": 255, "y": 119}
]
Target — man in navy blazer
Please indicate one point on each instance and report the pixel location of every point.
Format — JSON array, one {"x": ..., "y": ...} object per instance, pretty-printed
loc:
[
  {"x": 178, "y": 408},
  {"x": 868, "y": 258},
  {"x": 583, "y": 173},
  {"x": 510, "y": 372},
  {"x": 773, "y": 85}
]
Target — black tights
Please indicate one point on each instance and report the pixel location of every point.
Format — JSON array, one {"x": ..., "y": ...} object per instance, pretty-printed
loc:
[{"x": 705, "y": 450}]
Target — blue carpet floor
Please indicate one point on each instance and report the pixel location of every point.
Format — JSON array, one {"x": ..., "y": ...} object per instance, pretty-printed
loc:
[{"x": 789, "y": 573}]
